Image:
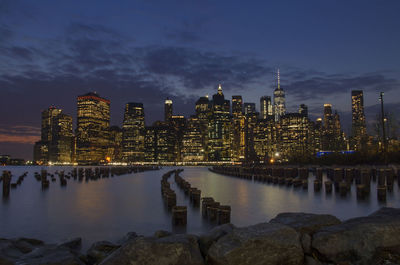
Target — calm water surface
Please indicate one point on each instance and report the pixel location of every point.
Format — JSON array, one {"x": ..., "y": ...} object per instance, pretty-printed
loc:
[{"x": 107, "y": 209}]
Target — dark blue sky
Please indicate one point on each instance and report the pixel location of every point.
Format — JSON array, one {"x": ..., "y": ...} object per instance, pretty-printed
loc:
[{"x": 144, "y": 51}]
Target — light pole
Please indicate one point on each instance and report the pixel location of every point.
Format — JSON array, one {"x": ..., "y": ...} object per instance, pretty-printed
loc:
[{"x": 384, "y": 142}]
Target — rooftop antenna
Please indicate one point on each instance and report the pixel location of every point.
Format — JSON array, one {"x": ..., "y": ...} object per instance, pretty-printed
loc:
[{"x": 279, "y": 80}]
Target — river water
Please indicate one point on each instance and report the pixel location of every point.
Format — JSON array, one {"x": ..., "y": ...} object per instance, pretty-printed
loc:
[{"x": 108, "y": 208}]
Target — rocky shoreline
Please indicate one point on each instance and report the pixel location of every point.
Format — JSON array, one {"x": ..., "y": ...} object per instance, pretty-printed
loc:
[{"x": 288, "y": 239}]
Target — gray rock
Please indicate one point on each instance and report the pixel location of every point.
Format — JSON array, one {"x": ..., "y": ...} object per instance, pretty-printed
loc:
[
  {"x": 51, "y": 254},
  {"x": 172, "y": 250},
  {"x": 311, "y": 261},
  {"x": 75, "y": 243},
  {"x": 128, "y": 237},
  {"x": 360, "y": 240},
  {"x": 265, "y": 243},
  {"x": 306, "y": 222},
  {"x": 100, "y": 250},
  {"x": 8, "y": 252},
  {"x": 305, "y": 240},
  {"x": 162, "y": 233},
  {"x": 206, "y": 240},
  {"x": 12, "y": 249}
]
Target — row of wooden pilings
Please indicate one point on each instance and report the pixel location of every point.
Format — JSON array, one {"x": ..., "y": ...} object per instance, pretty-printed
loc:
[
  {"x": 210, "y": 209},
  {"x": 6, "y": 179},
  {"x": 179, "y": 213},
  {"x": 80, "y": 174},
  {"x": 339, "y": 179}
]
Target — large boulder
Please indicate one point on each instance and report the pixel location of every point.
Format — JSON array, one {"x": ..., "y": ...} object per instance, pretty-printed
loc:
[
  {"x": 12, "y": 249},
  {"x": 170, "y": 250},
  {"x": 306, "y": 222},
  {"x": 374, "y": 239},
  {"x": 74, "y": 243},
  {"x": 51, "y": 254},
  {"x": 161, "y": 233},
  {"x": 265, "y": 243},
  {"x": 206, "y": 240},
  {"x": 100, "y": 250},
  {"x": 128, "y": 237}
]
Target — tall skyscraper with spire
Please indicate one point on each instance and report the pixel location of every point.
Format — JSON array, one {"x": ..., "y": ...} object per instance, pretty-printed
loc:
[
  {"x": 219, "y": 128},
  {"x": 167, "y": 110},
  {"x": 279, "y": 100}
]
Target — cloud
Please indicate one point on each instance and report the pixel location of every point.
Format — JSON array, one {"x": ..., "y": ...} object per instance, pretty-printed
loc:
[
  {"x": 92, "y": 57},
  {"x": 318, "y": 85},
  {"x": 9, "y": 138},
  {"x": 21, "y": 134},
  {"x": 199, "y": 70}
]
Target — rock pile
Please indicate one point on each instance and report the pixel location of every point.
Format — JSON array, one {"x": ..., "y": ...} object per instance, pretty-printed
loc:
[{"x": 289, "y": 238}]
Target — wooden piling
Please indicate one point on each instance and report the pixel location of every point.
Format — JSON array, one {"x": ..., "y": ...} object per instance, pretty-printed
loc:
[
  {"x": 328, "y": 186},
  {"x": 205, "y": 202},
  {"x": 224, "y": 214},
  {"x": 381, "y": 190},
  {"x": 212, "y": 210},
  {"x": 179, "y": 215}
]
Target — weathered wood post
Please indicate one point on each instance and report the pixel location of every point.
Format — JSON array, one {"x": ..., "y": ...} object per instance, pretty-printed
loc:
[
  {"x": 317, "y": 185},
  {"x": 6, "y": 183},
  {"x": 381, "y": 193},
  {"x": 205, "y": 202},
  {"x": 224, "y": 214},
  {"x": 212, "y": 211},
  {"x": 328, "y": 186},
  {"x": 179, "y": 215}
]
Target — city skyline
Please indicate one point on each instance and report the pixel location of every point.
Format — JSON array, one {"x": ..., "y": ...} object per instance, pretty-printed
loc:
[
  {"x": 182, "y": 51},
  {"x": 216, "y": 132},
  {"x": 168, "y": 113}
]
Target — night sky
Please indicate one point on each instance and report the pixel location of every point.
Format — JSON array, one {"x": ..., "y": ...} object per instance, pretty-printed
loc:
[{"x": 144, "y": 51}]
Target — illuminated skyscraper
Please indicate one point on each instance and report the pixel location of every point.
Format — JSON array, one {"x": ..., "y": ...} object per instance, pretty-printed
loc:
[
  {"x": 48, "y": 118},
  {"x": 266, "y": 108},
  {"x": 265, "y": 139},
  {"x": 167, "y": 109},
  {"x": 203, "y": 113},
  {"x": 249, "y": 108},
  {"x": 294, "y": 135},
  {"x": 238, "y": 129},
  {"x": 41, "y": 148},
  {"x": 93, "y": 121},
  {"x": 328, "y": 118},
  {"x": 192, "y": 141},
  {"x": 332, "y": 135},
  {"x": 249, "y": 126},
  {"x": 61, "y": 144},
  {"x": 237, "y": 106},
  {"x": 303, "y": 110},
  {"x": 133, "y": 133},
  {"x": 159, "y": 143},
  {"x": 358, "y": 126},
  {"x": 219, "y": 128},
  {"x": 114, "y": 153},
  {"x": 279, "y": 100},
  {"x": 178, "y": 126},
  {"x": 56, "y": 143}
]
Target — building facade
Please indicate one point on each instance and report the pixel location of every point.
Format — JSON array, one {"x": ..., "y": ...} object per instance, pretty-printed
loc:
[
  {"x": 93, "y": 121},
  {"x": 358, "y": 125},
  {"x": 133, "y": 133}
]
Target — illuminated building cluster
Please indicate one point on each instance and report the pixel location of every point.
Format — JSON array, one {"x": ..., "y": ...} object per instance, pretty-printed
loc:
[
  {"x": 57, "y": 138},
  {"x": 216, "y": 132}
]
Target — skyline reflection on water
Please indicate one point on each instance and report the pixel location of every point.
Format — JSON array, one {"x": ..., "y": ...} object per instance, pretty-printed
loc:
[{"x": 109, "y": 208}]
